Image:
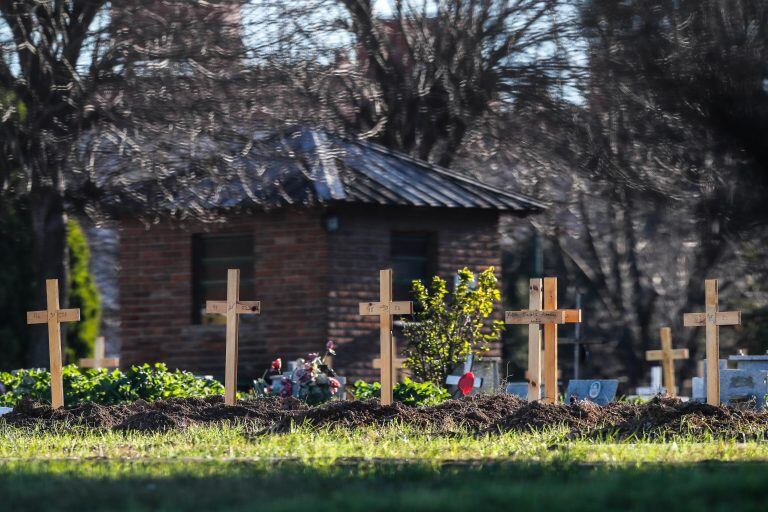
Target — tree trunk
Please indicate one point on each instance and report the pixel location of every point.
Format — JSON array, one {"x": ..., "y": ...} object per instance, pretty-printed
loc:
[{"x": 49, "y": 226}]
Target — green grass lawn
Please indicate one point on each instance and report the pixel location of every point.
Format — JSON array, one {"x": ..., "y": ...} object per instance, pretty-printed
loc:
[{"x": 392, "y": 469}]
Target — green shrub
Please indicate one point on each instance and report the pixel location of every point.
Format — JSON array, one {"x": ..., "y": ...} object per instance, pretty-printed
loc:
[
  {"x": 83, "y": 294},
  {"x": 408, "y": 392},
  {"x": 16, "y": 280},
  {"x": 107, "y": 387},
  {"x": 448, "y": 326}
]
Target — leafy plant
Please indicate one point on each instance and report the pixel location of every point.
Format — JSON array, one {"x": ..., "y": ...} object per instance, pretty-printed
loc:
[
  {"x": 407, "y": 392},
  {"x": 450, "y": 325},
  {"x": 102, "y": 386},
  {"x": 83, "y": 294}
]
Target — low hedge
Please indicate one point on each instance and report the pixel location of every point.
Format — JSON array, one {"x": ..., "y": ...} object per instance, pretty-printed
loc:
[
  {"x": 107, "y": 387},
  {"x": 407, "y": 392}
]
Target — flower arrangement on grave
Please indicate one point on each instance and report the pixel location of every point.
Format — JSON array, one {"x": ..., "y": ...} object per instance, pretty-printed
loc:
[{"x": 312, "y": 379}]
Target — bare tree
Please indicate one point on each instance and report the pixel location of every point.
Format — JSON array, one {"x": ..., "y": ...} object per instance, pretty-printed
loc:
[
  {"x": 418, "y": 76},
  {"x": 69, "y": 67},
  {"x": 650, "y": 195}
]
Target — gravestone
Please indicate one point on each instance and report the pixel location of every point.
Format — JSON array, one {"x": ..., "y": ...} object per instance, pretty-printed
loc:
[
  {"x": 601, "y": 392},
  {"x": 748, "y": 382},
  {"x": 520, "y": 389},
  {"x": 5, "y": 410},
  {"x": 656, "y": 387}
]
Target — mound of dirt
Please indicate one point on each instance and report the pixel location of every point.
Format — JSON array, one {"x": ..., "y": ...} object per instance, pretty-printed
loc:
[
  {"x": 661, "y": 418},
  {"x": 485, "y": 414},
  {"x": 473, "y": 413},
  {"x": 175, "y": 413}
]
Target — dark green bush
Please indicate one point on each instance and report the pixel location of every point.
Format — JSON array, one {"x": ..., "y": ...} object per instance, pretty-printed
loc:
[
  {"x": 408, "y": 392},
  {"x": 107, "y": 387},
  {"x": 83, "y": 294},
  {"x": 16, "y": 280}
]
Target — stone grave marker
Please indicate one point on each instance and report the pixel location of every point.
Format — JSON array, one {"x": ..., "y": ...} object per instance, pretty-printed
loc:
[
  {"x": 656, "y": 387},
  {"x": 667, "y": 355},
  {"x": 5, "y": 410},
  {"x": 99, "y": 360},
  {"x": 748, "y": 382},
  {"x": 233, "y": 307},
  {"x": 712, "y": 319},
  {"x": 385, "y": 309},
  {"x": 53, "y": 316},
  {"x": 601, "y": 392}
]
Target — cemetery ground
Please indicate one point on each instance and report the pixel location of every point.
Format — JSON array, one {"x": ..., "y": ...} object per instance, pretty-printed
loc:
[{"x": 690, "y": 457}]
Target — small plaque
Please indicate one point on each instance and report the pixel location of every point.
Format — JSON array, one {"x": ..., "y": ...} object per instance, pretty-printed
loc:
[{"x": 601, "y": 392}]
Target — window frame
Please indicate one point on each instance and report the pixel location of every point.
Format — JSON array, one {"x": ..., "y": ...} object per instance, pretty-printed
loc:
[
  {"x": 430, "y": 257},
  {"x": 246, "y": 264}
]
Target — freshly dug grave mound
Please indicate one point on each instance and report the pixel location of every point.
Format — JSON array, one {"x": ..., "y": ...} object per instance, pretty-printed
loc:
[
  {"x": 486, "y": 414},
  {"x": 175, "y": 413}
]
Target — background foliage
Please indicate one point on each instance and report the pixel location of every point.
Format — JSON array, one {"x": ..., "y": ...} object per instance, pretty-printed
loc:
[
  {"x": 407, "y": 392},
  {"x": 83, "y": 294},
  {"x": 16, "y": 280},
  {"x": 448, "y": 325},
  {"x": 102, "y": 386}
]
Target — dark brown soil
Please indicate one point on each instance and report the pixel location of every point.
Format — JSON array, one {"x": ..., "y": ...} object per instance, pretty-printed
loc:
[{"x": 488, "y": 414}]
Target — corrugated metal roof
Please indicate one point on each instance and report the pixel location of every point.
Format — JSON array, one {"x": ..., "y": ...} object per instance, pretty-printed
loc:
[{"x": 299, "y": 167}]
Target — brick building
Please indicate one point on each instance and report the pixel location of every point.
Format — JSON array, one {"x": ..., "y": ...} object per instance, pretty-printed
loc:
[{"x": 309, "y": 229}]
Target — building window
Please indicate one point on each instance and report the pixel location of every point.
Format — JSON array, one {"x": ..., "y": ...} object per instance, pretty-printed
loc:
[
  {"x": 414, "y": 256},
  {"x": 212, "y": 256}
]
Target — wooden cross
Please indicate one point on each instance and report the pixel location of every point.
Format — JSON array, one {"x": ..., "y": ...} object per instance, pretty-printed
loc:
[
  {"x": 667, "y": 356},
  {"x": 99, "y": 360},
  {"x": 397, "y": 363},
  {"x": 542, "y": 311},
  {"x": 543, "y": 382},
  {"x": 53, "y": 316},
  {"x": 712, "y": 319},
  {"x": 385, "y": 309},
  {"x": 232, "y": 308}
]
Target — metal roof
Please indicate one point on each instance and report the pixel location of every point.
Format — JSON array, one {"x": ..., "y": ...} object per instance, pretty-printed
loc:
[{"x": 297, "y": 167}]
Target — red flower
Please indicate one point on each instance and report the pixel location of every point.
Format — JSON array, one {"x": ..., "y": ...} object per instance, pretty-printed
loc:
[
  {"x": 334, "y": 383},
  {"x": 277, "y": 365}
]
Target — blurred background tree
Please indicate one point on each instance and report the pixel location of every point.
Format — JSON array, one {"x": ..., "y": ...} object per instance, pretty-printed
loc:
[
  {"x": 83, "y": 294},
  {"x": 643, "y": 124}
]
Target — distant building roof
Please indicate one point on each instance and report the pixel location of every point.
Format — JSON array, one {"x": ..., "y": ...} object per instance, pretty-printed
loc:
[{"x": 300, "y": 167}]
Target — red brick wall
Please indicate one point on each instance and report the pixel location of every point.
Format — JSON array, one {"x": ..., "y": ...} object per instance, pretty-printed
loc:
[
  {"x": 308, "y": 280},
  {"x": 291, "y": 262},
  {"x": 361, "y": 247}
]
